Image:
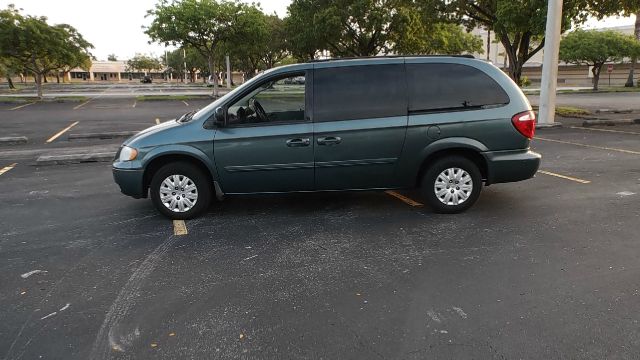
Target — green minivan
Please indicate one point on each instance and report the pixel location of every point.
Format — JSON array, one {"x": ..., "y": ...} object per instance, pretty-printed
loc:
[{"x": 442, "y": 124}]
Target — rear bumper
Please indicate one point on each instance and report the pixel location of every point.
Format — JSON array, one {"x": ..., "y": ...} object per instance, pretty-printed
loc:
[
  {"x": 131, "y": 182},
  {"x": 511, "y": 166}
]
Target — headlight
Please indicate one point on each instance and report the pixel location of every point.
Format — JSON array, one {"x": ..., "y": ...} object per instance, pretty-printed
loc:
[{"x": 128, "y": 154}]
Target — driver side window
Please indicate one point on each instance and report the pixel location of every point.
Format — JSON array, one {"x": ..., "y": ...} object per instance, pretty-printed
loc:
[{"x": 279, "y": 100}]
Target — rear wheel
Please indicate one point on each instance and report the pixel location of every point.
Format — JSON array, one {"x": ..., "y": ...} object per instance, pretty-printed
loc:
[
  {"x": 451, "y": 184},
  {"x": 180, "y": 191}
]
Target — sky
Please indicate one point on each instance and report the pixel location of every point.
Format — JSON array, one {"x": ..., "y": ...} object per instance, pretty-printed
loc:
[{"x": 115, "y": 26}]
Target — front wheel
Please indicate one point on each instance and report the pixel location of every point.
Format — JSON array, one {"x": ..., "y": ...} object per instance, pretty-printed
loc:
[
  {"x": 451, "y": 184},
  {"x": 180, "y": 191}
]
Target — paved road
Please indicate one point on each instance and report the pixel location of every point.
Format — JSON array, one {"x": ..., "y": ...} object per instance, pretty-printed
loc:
[
  {"x": 545, "y": 268},
  {"x": 595, "y": 101}
]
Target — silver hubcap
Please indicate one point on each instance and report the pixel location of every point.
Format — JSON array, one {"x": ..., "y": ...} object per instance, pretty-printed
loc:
[
  {"x": 453, "y": 186},
  {"x": 178, "y": 193}
]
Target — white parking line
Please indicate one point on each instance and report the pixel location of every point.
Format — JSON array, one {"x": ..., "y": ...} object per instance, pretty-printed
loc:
[
  {"x": 604, "y": 130},
  {"x": 21, "y": 106},
  {"x": 83, "y": 104},
  {"x": 7, "y": 168},
  {"x": 564, "y": 177},
  {"x": 135, "y": 102},
  {"x": 589, "y": 146},
  {"x": 157, "y": 121},
  {"x": 185, "y": 103},
  {"x": 57, "y": 135}
]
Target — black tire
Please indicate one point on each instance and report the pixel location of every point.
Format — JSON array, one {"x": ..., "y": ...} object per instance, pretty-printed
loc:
[
  {"x": 430, "y": 176},
  {"x": 199, "y": 179}
]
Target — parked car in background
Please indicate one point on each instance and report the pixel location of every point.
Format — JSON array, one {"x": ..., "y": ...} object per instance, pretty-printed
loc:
[
  {"x": 146, "y": 79},
  {"x": 445, "y": 125}
]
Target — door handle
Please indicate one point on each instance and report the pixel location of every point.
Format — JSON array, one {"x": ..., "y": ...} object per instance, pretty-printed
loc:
[
  {"x": 298, "y": 142},
  {"x": 329, "y": 140}
]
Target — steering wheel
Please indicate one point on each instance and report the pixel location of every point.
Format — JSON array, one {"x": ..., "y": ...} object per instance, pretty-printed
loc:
[{"x": 259, "y": 110}]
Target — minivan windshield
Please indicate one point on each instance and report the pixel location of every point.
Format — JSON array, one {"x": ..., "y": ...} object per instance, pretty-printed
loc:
[{"x": 208, "y": 110}]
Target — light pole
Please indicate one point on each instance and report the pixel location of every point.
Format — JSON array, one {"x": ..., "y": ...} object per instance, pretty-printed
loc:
[{"x": 549, "y": 81}]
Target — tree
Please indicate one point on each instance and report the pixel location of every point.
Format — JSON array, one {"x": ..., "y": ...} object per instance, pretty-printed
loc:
[
  {"x": 596, "y": 48},
  {"x": 198, "y": 24},
  {"x": 72, "y": 54},
  {"x": 36, "y": 46},
  {"x": 143, "y": 63},
  {"x": 420, "y": 28},
  {"x": 347, "y": 28},
  {"x": 624, "y": 8},
  {"x": 518, "y": 24},
  {"x": 112, "y": 57},
  {"x": 8, "y": 68},
  {"x": 194, "y": 60}
]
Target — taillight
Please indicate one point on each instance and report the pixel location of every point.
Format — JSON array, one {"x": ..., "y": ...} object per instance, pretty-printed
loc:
[{"x": 525, "y": 123}]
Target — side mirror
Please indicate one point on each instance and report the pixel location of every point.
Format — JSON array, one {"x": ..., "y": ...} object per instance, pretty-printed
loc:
[{"x": 219, "y": 117}]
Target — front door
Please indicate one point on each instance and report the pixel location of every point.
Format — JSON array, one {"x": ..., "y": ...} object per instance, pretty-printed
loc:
[
  {"x": 267, "y": 143},
  {"x": 360, "y": 121}
]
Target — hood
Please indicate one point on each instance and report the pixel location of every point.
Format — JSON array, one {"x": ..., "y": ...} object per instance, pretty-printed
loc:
[{"x": 141, "y": 138}]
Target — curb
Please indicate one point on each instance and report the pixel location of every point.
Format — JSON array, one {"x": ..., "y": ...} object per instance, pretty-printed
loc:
[
  {"x": 75, "y": 158},
  {"x": 614, "y": 111},
  {"x": 549, "y": 126},
  {"x": 588, "y": 123},
  {"x": 16, "y": 140},
  {"x": 105, "y": 135}
]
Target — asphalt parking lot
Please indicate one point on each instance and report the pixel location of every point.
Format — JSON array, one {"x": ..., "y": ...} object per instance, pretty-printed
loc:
[{"x": 541, "y": 269}]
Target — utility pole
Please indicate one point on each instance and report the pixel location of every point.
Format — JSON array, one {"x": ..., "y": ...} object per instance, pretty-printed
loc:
[
  {"x": 184, "y": 57},
  {"x": 228, "y": 73},
  {"x": 549, "y": 82}
]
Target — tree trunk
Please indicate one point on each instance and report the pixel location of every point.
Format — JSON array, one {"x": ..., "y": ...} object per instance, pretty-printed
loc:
[
  {"x": 214, "y": 76},
  {"x": 629, "y": 82},
  {"x": 596, "y": 76},
  {"x": 636, "y": 32},
  {"x": 11, "y": 86},
  {"x": 39, "y": 84},
  {"x": 57, "y": 78},
  {"x": 45, "y": 78}
]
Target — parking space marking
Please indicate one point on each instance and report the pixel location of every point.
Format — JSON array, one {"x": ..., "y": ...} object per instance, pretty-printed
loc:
[
  {"x": 589, "y": 146},
  {"x": 404, "y": 199},
  {"x": 135, "y": 102},
  {"x": 21, "y": 106},
  {"x": 604, "y": 130},
  {"x": 179, "y": 228},
  {"x": 7, "y": 168},
  {"x": 185, "y": 103},
  {"x": 62, "y": 132},
  {"x": 564, "y": 177},
  {"x": 83, "y": 104},
  {"x": 157, "y": 121}
]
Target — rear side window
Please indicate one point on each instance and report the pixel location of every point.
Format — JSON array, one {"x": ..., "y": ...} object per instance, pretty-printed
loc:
[
  {"x": 359, "y": 92},
  {"x": 441, "y": 87}
]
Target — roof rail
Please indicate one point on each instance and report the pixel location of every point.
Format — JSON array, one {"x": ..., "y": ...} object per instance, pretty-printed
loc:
[{"x": 468, "y": 56}]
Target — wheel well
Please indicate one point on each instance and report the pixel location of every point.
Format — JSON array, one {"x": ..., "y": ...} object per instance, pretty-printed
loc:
[
  {"x": 160, "y": 161},
  {"x": 472, "y": 155}
]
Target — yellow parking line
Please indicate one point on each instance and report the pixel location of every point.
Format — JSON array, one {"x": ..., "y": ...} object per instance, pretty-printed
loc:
[
  {"x": 81, "y": 105},
  {"x": 21, "y": 106},
  {"x": 604, "y": 130},
  {"x": 185, "y": 103},
  {"x": 179, "y": 228},
  {"x": 564, "y": 177},
  {"x": 157, "y": 121},
  {"x": 7, "y": 168},
  {"x": 404, "y": 199},
  {"x": 62, "y": 132},
  {"x": 590, "y": 146}
]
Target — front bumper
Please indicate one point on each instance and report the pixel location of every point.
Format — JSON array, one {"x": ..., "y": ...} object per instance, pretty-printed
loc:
[
  {"x": 511, "y": 166},
  {"x": 131, "y": 182}
]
